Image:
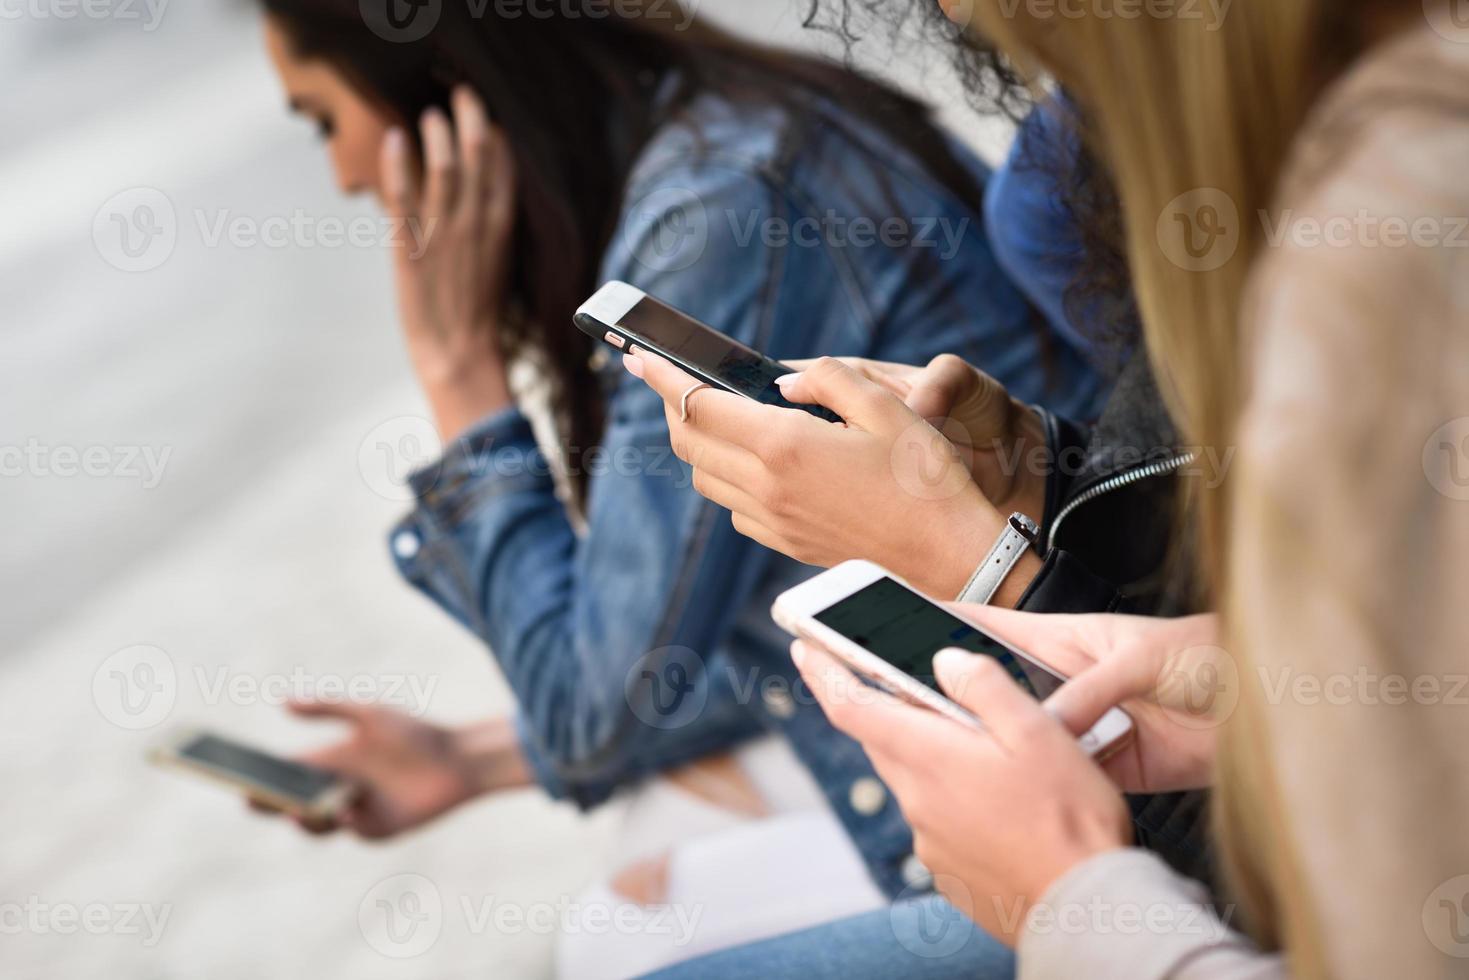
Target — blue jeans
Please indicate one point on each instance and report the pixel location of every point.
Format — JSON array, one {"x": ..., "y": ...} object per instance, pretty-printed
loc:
[{"x": 924, "y": 938}]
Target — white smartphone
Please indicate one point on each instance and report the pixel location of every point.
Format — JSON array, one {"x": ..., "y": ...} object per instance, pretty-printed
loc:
[
  {"x": 296, "y": 788},
  {"x": 624, "y": 315},
  {"x": 888, "y": 632}
]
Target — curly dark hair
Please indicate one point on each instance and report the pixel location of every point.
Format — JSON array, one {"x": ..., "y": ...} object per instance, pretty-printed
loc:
[{"x": 1099, "y": 298}]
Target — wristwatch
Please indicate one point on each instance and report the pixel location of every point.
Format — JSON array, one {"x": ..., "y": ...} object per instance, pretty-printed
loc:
[{"x": 1021, "y": 534}]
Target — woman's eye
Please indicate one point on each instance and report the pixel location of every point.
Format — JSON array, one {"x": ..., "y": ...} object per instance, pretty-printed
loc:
[{"x": 325, "y": 129}]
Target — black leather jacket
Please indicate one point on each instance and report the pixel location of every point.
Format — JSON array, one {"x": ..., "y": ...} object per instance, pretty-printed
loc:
[{"x": 1112, "y": 539}]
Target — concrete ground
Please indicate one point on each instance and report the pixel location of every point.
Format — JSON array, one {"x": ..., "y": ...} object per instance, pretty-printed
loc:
[{"x": 194, "y": 497}]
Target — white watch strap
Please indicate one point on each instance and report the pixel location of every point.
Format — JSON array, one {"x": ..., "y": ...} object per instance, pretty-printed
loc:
[{"x": 1020, "y": 531}]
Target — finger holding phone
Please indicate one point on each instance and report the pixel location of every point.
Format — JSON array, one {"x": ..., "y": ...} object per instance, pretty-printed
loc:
[
  {"x": 885, "y": 486},
  {"x": 406, "y": 771},
  {"x": 998, "y": 815},
  {"x": 991, "y": 431}
]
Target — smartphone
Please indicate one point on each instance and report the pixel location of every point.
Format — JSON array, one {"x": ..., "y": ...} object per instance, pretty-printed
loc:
[
  {"x": 887, "y": 632},
  {"x": 624, "y": 315},
  {"x": 299, "y": 789}
]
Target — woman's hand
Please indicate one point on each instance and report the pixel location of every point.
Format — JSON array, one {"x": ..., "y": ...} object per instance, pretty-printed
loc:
[
  {"x": 1170, "y": 675},
  {"x": 993, "y": 433},
  {"x": 407, "y": 772},
  {"x": 452, "y": 284},
  {"x": 886, "y": 486},
  {"x": 998, "y": 816}
]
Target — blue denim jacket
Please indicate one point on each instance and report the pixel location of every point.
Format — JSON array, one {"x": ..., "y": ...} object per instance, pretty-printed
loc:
[{"x": 646, "y": 641}]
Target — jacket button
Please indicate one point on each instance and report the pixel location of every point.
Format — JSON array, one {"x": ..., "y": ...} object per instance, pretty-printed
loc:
[
  {"x": 868, "y": 796},
  {"x": 778, "y": 702},
  {"x": 406, "y": 544},
  {"x": 915, "y": 873}
]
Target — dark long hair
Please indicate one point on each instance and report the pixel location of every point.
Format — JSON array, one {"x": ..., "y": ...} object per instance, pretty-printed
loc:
[{"x": 573, "y": 86}]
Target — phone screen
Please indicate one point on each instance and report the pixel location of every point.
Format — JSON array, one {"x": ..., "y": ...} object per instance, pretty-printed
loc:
[
  {"x": 304, "y": 783},
  {"x": 739, "y": 368},
  {"x": 906, "y": 630}
]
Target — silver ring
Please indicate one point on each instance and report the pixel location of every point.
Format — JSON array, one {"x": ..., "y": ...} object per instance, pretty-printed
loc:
[{"x": 683, "y": 403}]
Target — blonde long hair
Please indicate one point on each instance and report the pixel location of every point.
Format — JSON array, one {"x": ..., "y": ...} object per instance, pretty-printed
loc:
[{"x": 1186, "y": 110}]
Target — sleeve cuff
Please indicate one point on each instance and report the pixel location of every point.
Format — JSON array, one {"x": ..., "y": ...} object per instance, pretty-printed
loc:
[
  {"x": 1125, "y": 915},
  {"x": 500, "y": 445}
]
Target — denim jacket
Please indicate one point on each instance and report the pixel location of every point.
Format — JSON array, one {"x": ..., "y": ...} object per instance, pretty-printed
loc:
[{"x": 645, "y": 642}]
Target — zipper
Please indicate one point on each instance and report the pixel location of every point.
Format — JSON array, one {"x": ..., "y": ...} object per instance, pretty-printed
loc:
[{"x": 1160, "y": 468}]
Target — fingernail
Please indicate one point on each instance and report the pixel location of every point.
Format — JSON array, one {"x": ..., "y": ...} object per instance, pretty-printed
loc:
[
  {"x": 633, "y": 364},
  {"x": 798, "y": 654},
  {"x": 949, "y": 664},
  {"x": 787, "y": 379},
  {"x": 396, "y": 141}
]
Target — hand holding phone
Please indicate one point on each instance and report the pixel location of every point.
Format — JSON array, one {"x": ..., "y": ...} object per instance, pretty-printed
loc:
[
  {"x": 886, "y": 632},
  {"x": 624, "y": 315},
  {"x": 308, "y": 792}
]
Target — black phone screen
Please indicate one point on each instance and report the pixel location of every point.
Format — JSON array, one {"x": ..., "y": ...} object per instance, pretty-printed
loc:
[
  {"x": 304, "y": 783},
  {"x": 719, "y": 358},
  {"x": 906, "y": 630}
]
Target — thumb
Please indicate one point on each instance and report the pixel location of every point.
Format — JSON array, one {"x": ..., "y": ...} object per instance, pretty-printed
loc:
[
  {"x": 1084, "y": 699},
  {"x": 843, "y": 389}
]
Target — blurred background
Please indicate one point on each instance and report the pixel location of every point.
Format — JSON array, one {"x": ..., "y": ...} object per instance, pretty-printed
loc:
[{"x": 206, "y": 420}]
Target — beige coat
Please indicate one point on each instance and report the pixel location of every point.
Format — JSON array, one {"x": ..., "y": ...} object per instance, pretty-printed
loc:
[{"x": 1352, "y": 551}]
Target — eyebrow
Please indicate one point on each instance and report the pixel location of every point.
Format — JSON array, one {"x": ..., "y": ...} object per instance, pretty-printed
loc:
[{"x": 304, "y": 105}]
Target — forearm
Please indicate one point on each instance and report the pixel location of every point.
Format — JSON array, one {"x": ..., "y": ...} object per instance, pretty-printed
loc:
[
  {"x": 462, "y": 394},
  {"x": 490, "y": 755},
  {"x": 1124, "y": 915}
]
